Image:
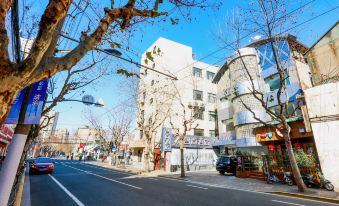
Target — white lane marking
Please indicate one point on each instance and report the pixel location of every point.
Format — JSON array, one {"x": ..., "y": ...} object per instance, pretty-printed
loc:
[
  {"x": 113, "y": 180},
  {"x": 76, "y": 200},
  {"x": 151, "y": 178},
  {"x": 289, "y": 203},
  {"x": 204, "y": 188}
]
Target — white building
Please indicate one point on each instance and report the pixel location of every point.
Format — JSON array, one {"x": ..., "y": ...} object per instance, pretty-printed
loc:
[
  {"x": 323, "y": 101},
  {"x": 162, "y": 103}
]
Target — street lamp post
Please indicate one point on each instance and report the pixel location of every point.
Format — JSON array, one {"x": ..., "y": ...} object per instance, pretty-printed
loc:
[{"x": 85, "y": 102}]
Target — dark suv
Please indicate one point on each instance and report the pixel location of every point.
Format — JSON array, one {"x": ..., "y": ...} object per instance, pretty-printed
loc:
[{"x": 227, "y": 164}]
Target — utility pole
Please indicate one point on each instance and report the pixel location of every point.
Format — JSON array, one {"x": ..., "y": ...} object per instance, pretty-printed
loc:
[{"x": 12, "y": 160}]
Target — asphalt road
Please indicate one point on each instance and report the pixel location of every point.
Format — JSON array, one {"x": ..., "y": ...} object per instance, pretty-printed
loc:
[{"x": 75, "y": 183}]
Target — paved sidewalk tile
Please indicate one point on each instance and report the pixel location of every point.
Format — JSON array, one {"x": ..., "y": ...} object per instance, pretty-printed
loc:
[{"x": 215, "y": 179}]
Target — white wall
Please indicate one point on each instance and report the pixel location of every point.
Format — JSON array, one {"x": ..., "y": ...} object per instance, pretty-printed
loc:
[
  {"x": 323, "y": 109},
  {"x": 194, "y": 156},
  {"x": 327, "y": 141}
]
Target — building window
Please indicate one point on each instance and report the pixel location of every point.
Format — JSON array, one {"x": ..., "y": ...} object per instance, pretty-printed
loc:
[
  {"x": 212, "y": 133},
  {"x": 212, "y": 98},
  {"x": 210, "y": 75},
  {"x": 152, "y": 82},
  {"x": 144, "y": 95},
  {"x": 212, "y": 116},
  {"x": 197, "y": 95},
  {"x": 228, "y": 125},
  {"x": 274, "y": 81},
  {"x": 197, "y": 72},
  {"x": 198, "y": 114},
  {"x": 198, "y": 132},
  {"x": 151, "y": 101}
]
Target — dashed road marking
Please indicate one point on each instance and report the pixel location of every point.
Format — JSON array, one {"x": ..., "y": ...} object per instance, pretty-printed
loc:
[
  {"x": 288, "y": 203},
  {"x": 204, "y": 188},
  {"x": 112, "y": 180},
  {"x": 76, "y": 200}
]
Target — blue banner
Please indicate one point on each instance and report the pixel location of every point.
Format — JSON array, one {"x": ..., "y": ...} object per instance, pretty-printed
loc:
[
  {"x": 36, "y": 102},
  {"x": 13, "y": 115}
]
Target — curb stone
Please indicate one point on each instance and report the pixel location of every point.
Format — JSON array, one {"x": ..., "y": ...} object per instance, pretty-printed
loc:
[
  {"x": 176, "y": 178},
  {"x": 310, "y": 197}
]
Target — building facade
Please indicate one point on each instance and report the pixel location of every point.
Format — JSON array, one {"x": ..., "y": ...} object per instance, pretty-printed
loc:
[
  {"x": 167, "y": 103},
  {"x": 49, "y": 123},
  {"x": 323, "y": 101},
  {"x": 246, "y": 83}
]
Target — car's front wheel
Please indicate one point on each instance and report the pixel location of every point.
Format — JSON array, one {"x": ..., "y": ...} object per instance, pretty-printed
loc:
[{"x": 222, "y": 172}]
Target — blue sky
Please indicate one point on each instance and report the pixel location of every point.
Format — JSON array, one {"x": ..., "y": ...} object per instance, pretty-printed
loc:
[{"x": 198, "y": 34}]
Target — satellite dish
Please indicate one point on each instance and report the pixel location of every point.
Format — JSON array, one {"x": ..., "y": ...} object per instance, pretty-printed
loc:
[{"x": 88, "y": 99}]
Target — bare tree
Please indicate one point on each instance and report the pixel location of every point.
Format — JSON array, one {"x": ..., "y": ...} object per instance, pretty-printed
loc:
[
  {"x": 119, "y": 127},
  {"x": 183, "y": 121},
  {"x": 268, "y": 19},
  {"x": 41, "y": 64},
  {"x": 114, "y": 133},
  {"x": 157, "y": 101},
  {"x": 100, "y": 132}
]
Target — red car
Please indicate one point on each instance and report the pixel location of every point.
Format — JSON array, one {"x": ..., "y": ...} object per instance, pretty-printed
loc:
[{"x": 41, "y": 165}]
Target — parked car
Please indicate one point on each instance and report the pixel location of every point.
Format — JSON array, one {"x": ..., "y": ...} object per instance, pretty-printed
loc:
[
  {"x": 41, "y": 165},
  {"x": 227, "y": 164}
]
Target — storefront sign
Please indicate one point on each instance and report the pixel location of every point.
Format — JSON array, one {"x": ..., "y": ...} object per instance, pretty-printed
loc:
[
  {"x": 36, "y": 102},
  {"x": 166, "y": 145},
  {"x": 265, "y": 135},
  {"x": 192, "y": 141}
]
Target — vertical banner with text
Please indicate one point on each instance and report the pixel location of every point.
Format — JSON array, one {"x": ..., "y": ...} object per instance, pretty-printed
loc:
[{"x": 166, "y": 145}]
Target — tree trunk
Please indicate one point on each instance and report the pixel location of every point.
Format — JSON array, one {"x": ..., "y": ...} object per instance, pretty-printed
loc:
[
  {"x": 7, "y": 98},
  {"x": 182, "y": 162},
  {"x": 295, "y": 169}
]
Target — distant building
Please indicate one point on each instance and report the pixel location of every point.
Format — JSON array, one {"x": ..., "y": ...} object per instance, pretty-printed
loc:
[
  {"x": 62, "y": 134},
  {"x": 49, "y": 123},
  {"x": 323, "y": 101},
  {"x": 159, "y": 95},
  {"x": 90, "y": 137}
]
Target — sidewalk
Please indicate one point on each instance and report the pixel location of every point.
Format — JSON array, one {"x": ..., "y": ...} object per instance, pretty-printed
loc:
[{"x": 232, "y": 182}]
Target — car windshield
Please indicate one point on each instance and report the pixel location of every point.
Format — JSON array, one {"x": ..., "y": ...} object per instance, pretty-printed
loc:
[
  {"x": 43, "y": 160},
  {"x": 224, "y": 159}
]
